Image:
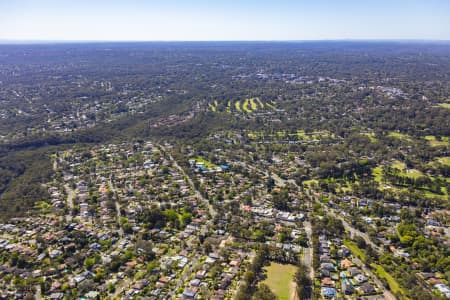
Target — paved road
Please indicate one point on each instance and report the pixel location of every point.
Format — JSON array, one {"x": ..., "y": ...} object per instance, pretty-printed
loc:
[
  {"x": 186, "y": 274},
  {"x": 117, "y": 205},
  {"x": 38, "y": 295},
  {"x": 307, "y": 259},
  {"x": 211, "y": 209},
  {"x": 55, "y": 164},
  {"x": 204, "y": 228},
  {"x": 353, "y": 231},
  {"x": 308, "y": 254},
  {"x": 388, "y": 295},
  {"x": 70, "y": 195},
  {"x": 251, "y": 257},
  {"x": 278, "y": 180},
  {"x": 120, "y": 288}
]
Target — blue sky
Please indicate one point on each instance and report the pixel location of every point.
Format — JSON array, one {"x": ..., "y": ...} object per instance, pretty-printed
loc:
[{"x": 224, "y": 20}]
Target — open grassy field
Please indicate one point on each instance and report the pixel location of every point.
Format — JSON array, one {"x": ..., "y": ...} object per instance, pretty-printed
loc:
[
  {"x": 245, "y": 106},
  {"x": 445, "y": 105},
  {"x": 444, "y": 160},
  {"x": 43, "y": 207},
  {"x": 237, "y": 105},
  {"x": 271, "y": 106},
  {"x": 371, "y": 136},
  {"x": 310, "y": 182},
  {"x": 228, "y": 110},
  {"x": 400, "y": 136},
  {"x": 413, "y": 173},
  {"x": 379, "y": 270},
  {"x": 398, "y": 165},
  {"x": 281, "y": 134},
  {"x": 355, "y": 249},
  {"x": 295, "y": 135},
  {"x": 249, "y": 105},
  {"x": 279, "y": 279},
  {"x": 434, "y": 142},
  {"x": 377, "y": 173},
  {"x": 301, "y": 135},
  {"x": 205, "y": 162},
  {"x": 259, "y": 102},
  {"x": 346, "y": 188},
  {"x": 410, "y": 173},
  {"x": 213, "y": 107},
  {"x": 255, "y": 135},
  {"x": 429, "y": 194},
  {"x": 393, "y": 284}
]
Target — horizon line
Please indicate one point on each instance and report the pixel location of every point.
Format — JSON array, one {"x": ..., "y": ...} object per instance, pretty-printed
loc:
[{"x": 69, "y": 41}]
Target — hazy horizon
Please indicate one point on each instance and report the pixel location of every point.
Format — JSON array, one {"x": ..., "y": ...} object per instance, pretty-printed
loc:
[{"x": 12, "y": 41}]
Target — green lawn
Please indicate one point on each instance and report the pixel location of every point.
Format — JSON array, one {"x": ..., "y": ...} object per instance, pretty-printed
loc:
[
  {"x": 393, "y": 284},
  {"x": 348, "y": 187},
  {"x": 281, "y": 134},
  {"x": 279, "y": 278},
  {"x": 429, "y": 194},
  {"x": 205, "y": 162},
  {"x": 434, "y": 142},
  {"x": 212, "y": 107},
  {"x": 371, "y": 136},
  {"x": 355, "y": 249},
  {"x": 399, "y": 135},
  {"x": 260, "y": 103},
  {"x": 445, "y": 105},
  {"x": 377, "y": 173},
  {"x": 249, "y": 105},
  {"x": 255, "y": 134},
  {"x": 253, "y": 104},
  {"x": 310, "y": 182},
  {"x": 411, "y": 173},
  {"x": 245, "y": 106},
  {"x": 43, "y": 207},
  {"x": 398, "y": 165},
  {"x": 271, "y": 106},
  {"x": 301, "y": 135},
  {"x": 237, "y": 105},
  {"x": 444, "y": 160},
  {"x": 252, "y": 135}
]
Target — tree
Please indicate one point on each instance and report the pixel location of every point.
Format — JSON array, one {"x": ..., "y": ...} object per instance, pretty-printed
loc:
[
  {"x": 89, "y": 263},
  {"x": 281, "y": 199},
  {"x": 303, "y": 282},
  {"x": 186, "y": 218},
  {"x": 207, "y": 247},
  {"x": 360, "y": 242},
  {"x": 270, "y": 184},
  {"x": 264, "y": 293}
]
